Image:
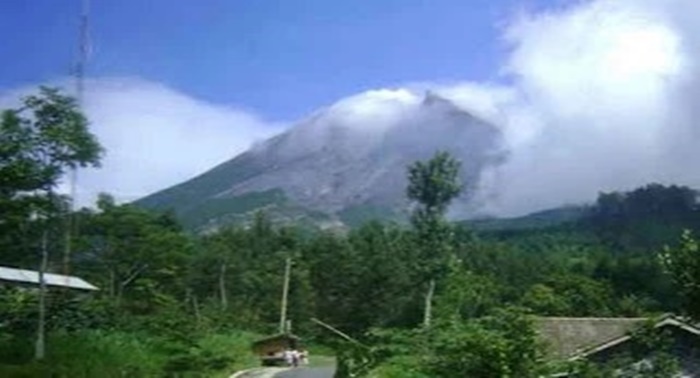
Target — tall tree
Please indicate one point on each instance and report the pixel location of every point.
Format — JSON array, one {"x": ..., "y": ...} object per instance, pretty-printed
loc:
[
  {"x": 138, "y": 257},
  {"x": 645, "y": 218},
  {"x": 683, "y": 264},
  {"x": 432, "y": 186},
  {"x": 40, "y": 141}
]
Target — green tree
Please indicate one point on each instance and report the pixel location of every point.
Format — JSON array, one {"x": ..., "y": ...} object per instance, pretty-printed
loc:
[
  {"x": 466, "y": 295},
  {"x": 40, "y": 142},
  {"x": 502, "y": 344},
  {"x": 683, "y": 264},
  {"x": 366, "y": 279},
  {"x": 137, "y": 256},
  {"x": 544, "y": 300},
  {"x": 571, "y": 295},
  {"x": 237, "y": 275},
  {"x": 432, "y": 185},
  {"x": 648, "y": 354},
  {"x": 644, "y": 219}
]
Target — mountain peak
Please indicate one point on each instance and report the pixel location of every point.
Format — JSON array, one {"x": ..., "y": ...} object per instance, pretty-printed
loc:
[
  {"x": 347, "y": 162},
  {"x": 432, "y": 98}
]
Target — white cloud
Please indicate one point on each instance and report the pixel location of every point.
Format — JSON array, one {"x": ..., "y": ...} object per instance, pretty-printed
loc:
[
  {"x": 373, "y": 109},
  {"x": 155, "y": 137},
  {"x": 604, "y": 99}
]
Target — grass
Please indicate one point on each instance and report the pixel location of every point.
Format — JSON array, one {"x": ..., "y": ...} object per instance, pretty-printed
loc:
[
  {"x": 87, "y": 354},
  {"x": 321, "y": 361},
  {"x": 129, "y": 354}
]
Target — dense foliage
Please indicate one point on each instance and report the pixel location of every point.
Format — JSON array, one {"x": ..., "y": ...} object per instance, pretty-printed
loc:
[{"x": 174, "y": 302}]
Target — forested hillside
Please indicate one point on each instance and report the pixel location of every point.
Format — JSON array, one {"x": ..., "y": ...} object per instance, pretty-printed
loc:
[{"x": 441, "y": 295}]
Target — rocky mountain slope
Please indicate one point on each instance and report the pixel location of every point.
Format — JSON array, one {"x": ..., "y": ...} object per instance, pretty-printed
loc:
[{"x": 340, "y": 166}]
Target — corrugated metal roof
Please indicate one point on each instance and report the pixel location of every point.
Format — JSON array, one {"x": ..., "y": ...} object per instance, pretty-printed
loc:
[
  {"x": 32, "y": 277},
  {"x": 568, "y": 337}
]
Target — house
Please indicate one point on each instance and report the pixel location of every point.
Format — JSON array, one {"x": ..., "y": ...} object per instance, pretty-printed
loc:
[
  {"x": 271, "y": 349},
  {"x": 604, "y": 339},
  {"x": 30, "y": 278}
]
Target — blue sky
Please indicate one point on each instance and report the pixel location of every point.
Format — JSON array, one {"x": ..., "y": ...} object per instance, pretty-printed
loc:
[
  {"x": 601, "y": 94},
  {"x": 278, "y": 58}
]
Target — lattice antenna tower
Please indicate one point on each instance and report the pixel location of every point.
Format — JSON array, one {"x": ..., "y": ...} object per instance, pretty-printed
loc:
[{"x": 79, "y": 72}]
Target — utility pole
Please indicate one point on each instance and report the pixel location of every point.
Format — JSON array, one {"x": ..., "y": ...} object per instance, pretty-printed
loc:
[
  {"x": 43, "y": 219},
  {"x": 40, "y": 345},
  {"x": 285, "y": 292}
]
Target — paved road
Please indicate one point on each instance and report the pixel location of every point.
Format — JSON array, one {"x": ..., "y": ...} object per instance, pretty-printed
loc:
[
  {"x": 260, "y": 372},
  {"x": 312, "y": 372}
]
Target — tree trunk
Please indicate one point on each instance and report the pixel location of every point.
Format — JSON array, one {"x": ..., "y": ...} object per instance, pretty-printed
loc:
[
  {"x": 195, "y": 304},
  {"x": 135, "y": 272},
  {"x": 112, "y": 283},
  {"x": 427, "y": 316},
  {"x": 67, "y": 241},
  {"x": 222, "y": 287},
  {"x": 40, "y": 347},
  {"x": 191, "y": 297},
  {"x": 285, "y": 293}
]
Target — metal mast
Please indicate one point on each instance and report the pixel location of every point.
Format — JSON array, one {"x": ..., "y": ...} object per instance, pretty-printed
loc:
[{"x": 84, "y": 49}]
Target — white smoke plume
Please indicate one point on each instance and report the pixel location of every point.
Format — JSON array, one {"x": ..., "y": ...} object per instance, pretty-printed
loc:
[
  {"x": 603, "y": 95},
  {"x": 154, "y": 136}
]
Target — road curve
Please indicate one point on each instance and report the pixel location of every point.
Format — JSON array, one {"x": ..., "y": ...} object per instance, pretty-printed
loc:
[{"x": 304, "y": 372}]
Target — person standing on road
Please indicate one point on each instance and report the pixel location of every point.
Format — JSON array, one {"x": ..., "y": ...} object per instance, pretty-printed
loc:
[
  {"x": 295, "y": 358},
  {"x": 288, "y": 357}
]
